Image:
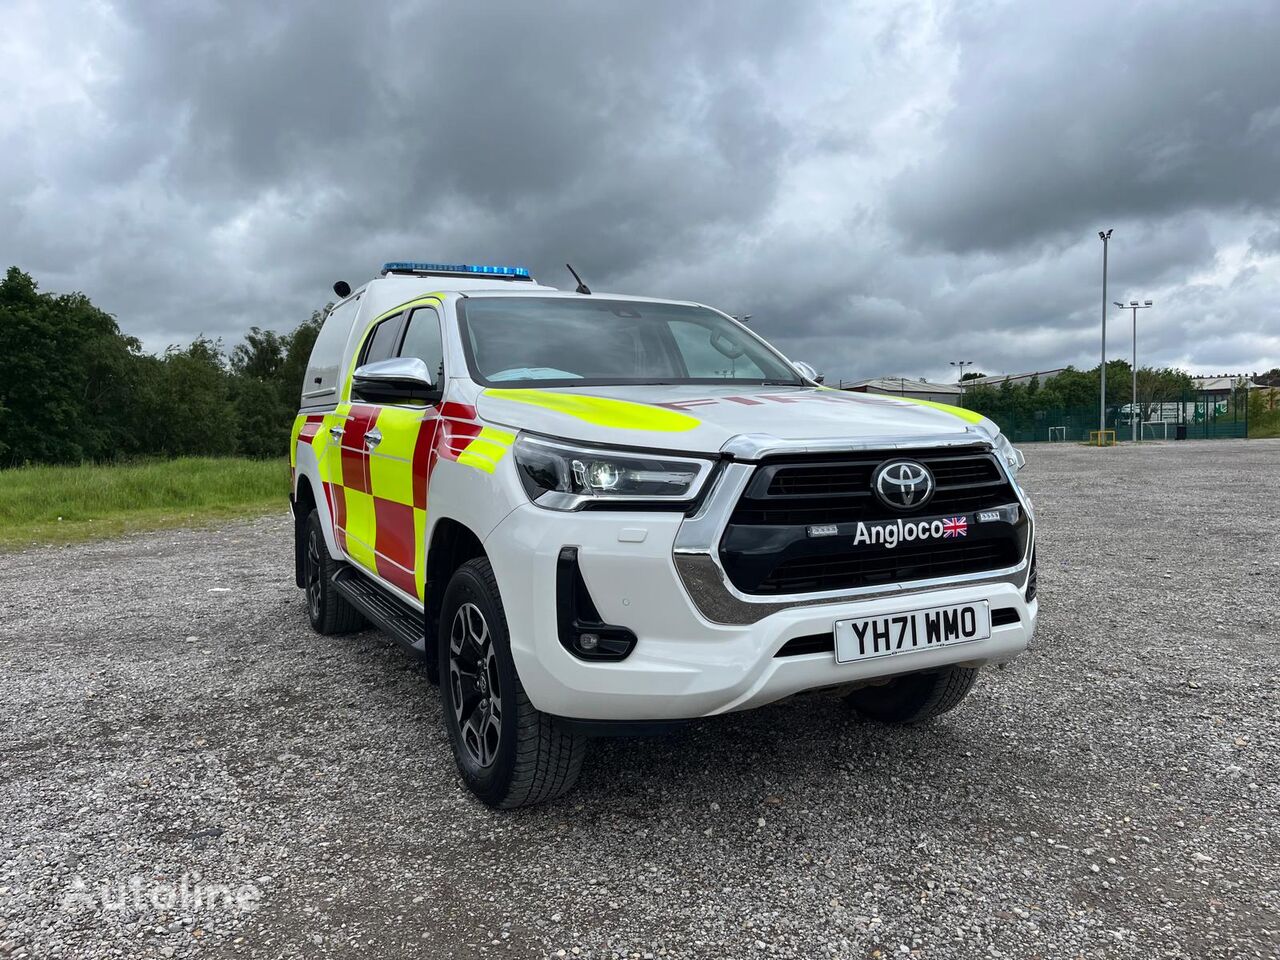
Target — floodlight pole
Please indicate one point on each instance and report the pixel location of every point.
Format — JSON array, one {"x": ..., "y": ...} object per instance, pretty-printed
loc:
[
  {"x": 1135, "y": 306},
  {"x": 1105, "y": 237},
  {"x": 961, "y": 364}
]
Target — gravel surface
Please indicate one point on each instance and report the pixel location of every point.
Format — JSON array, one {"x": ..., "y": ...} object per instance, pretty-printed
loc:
[{"x": 187, "y": 770}]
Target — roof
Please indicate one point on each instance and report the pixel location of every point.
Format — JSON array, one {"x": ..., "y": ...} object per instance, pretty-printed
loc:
[
  {"x": 996, "y": 378},
  {"x": 902, "y": 385},
  {"x": 1226, "y": 382},
  {"x": 390, "y": 291},
  {"x": 396, "y": 288}
]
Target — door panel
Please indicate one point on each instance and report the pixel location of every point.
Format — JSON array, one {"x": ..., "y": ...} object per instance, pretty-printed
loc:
[
  {"x": 380, "y": 470},
  {"x": 399, "y": 556},
  {"x": 360, "y": 526}
]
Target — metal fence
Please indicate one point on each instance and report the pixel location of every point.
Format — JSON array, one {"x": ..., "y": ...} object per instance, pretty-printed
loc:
[{"x": 1196, "y": 416}]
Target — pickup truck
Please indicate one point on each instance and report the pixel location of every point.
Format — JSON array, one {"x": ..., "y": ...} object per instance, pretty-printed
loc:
[{"x": 593, "y": 514}]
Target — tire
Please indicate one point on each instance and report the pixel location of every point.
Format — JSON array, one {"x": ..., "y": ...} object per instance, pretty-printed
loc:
[
  {"x": 328, "y": 611},
  {"x": 509, "y": 753},
  {"x": 915, "y": 696}
]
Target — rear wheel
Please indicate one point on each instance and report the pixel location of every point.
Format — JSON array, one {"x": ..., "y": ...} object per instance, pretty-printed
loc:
[
  {"x": 327, "y": 609},
  {"x": 914, "y": 696},
  {"x": 509, "y": 753}
]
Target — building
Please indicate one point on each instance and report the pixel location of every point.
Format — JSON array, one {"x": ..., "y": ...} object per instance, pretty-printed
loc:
[
  {"x": 906, "y": 387},
  {"x": 1017, "y": 379},
  {"x": 1224, "y": 385}
]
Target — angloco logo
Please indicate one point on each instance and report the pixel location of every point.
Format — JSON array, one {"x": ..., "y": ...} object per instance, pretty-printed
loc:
[{"x": 889, "y": 535}]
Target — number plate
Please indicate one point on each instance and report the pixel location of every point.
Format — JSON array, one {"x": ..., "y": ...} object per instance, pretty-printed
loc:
[{"x": 868, "y": 637}]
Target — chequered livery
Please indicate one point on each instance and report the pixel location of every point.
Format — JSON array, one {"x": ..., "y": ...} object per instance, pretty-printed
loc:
[{"x": 583, "y": 510}]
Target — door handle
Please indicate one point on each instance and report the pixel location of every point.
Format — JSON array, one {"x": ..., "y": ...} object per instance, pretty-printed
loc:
[
  {"x": 336, "y": 432},
  {"x": 372, "y": 438}
]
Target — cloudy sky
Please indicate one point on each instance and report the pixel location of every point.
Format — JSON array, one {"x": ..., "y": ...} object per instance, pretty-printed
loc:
[{"x": 885, "y": 186}]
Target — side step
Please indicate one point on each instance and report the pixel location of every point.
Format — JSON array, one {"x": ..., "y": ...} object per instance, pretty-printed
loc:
[{"x": 399, "y": 621}]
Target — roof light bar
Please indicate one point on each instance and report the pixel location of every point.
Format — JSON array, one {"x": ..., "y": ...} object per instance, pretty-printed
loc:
[{"x": 480, "y": 270}]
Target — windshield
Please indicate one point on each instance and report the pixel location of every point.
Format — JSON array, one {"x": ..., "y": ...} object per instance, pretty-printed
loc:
[{"x": 557, "y": 341}]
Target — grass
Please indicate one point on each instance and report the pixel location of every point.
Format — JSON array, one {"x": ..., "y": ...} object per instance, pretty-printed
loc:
[
  {"x": 1266, "y": 424},
  {"x": 46, "y": 504}
]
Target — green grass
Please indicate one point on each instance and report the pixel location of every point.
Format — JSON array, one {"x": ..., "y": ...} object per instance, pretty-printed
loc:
[
  {"x": 64, "y": 504},
  {"x": 1265, "y": 425}
]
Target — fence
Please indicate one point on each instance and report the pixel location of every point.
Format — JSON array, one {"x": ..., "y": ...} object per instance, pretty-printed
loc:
[{"x": 1196, "y": 416}]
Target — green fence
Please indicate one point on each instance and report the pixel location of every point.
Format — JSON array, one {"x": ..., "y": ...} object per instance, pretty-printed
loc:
[{"x": 1193, "y": 417}]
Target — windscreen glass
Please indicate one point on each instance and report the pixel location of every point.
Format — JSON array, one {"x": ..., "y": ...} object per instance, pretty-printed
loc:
[{"x": 529, "y": 341}]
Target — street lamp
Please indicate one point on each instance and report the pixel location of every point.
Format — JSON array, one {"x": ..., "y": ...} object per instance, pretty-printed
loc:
[
  {"x": 962, "y": 364},
  {"x": 741, "y": 317},
  {"x": 1135, "y": 306},
  {"x": 1105, "y": 237}
]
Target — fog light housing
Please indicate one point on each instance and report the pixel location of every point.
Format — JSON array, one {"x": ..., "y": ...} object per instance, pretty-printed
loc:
[{"x": 581, "y": 630}]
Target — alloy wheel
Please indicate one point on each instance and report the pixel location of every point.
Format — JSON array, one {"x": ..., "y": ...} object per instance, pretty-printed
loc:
[
  {"x": 311, "y": 574},
  {"x": 474, "y": 684}
]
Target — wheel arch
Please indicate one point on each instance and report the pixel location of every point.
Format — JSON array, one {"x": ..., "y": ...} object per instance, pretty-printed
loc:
[
  {"x": 304, "y": 501},
  {"x": 452, "y": 544},
  {"x": 308, "y": 495}
]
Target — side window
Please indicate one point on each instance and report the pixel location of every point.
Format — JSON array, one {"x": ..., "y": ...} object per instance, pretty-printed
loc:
[
  {"x": 381, "y": 343},
  {"x": 422, "y": 340},
  {"x": 703, "y": 360}
]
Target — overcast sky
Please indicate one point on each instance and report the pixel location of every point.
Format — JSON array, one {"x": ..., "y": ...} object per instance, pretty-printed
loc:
[{"x": 885, "y": 186}]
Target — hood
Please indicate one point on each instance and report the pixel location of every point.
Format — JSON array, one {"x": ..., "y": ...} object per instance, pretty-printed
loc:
[{"x": 702, "y": 419}]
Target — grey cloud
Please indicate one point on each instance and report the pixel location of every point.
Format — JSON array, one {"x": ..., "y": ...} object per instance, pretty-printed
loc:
[
  {"x": 884, "y": 188},
  {"x": 1083, "y": 114}
]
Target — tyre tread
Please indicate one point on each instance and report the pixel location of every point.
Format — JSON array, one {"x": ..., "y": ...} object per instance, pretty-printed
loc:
[
  {"x": 920, "y": 697},
  {"x": 548, "y": 759},
  {"x": 337, "y": 615}
]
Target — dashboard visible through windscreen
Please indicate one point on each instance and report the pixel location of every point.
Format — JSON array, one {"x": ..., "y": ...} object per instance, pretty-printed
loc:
[{"x": 559, "y": 341}]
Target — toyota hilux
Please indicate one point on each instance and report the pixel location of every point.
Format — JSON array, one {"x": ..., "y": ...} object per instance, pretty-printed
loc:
[{"x": 598, "y": 514}]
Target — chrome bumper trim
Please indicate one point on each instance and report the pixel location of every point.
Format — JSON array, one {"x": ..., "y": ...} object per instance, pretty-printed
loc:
[{"x": 697, "y": 556}]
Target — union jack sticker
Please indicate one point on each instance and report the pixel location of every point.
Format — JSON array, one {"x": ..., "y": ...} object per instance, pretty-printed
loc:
[{"x": 955, "y": 526}]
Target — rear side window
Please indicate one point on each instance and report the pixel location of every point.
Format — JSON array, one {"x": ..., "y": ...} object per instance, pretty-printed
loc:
[
  {"x": 381, "y": 343},
  {"x": 320, "y": 384},
  {"x": 422, "y": 340}
]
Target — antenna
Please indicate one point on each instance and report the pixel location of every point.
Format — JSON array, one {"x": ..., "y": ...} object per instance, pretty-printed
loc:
[{"x": 582, "y": 287}]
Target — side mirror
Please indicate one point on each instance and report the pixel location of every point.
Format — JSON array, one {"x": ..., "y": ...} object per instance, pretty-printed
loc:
[
  {"x": 398, "y": 380},
  {"x": 806, "y": 370}
]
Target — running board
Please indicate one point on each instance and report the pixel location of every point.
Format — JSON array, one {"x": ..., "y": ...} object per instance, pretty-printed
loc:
[{"x": 398, "y": 620}]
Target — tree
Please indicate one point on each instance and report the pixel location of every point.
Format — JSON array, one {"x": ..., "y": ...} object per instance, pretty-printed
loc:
[
  {"x": 191, "y": 403},
  {"x": 73, "y": 387},
  {"x": 260, "y": 356},
  {"x": 65, "y": 376}
]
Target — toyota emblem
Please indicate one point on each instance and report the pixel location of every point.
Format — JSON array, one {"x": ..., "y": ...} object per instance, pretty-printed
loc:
[{"x": 903, "y": 484}]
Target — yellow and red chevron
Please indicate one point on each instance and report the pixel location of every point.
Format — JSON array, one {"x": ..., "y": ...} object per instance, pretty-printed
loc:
[{"x": 378, "y": 507}]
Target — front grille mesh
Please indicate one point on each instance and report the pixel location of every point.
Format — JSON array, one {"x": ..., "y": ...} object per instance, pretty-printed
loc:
[
  {"x": 866, "y": 569},
  {"x": 766, "y": 550}
]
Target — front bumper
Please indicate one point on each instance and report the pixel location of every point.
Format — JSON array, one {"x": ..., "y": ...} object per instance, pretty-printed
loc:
[{"x": 685, "y": 665}]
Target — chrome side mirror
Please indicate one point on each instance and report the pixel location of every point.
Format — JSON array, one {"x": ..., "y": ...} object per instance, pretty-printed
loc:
[
  {"x": 806, "y": 370},
  {"x": 398, "y": 380}
]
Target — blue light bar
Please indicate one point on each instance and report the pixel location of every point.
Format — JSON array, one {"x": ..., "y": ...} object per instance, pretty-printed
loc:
[{"x": 482, "y": 270}]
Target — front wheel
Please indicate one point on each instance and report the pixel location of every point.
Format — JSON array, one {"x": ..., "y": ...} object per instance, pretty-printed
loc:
[
  {"x": 509, "y": 753},
  {"x": 914, "y": 696},
  {"x": 328, "y": 610}
]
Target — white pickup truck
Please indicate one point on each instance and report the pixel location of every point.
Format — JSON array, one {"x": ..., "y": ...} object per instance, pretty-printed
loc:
[{"x": 596, "y": 514}]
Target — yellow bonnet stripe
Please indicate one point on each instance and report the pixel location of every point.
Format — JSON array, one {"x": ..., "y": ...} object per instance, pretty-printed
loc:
[
  {"x": 602, "y": 411},
  {"x": 967, "y": 415}
]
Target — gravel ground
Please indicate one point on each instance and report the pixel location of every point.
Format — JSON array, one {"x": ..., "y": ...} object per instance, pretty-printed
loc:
[{"x": 172, "y": 736}]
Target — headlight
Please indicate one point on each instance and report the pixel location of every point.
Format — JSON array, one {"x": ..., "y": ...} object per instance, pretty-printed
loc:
[
  {"x": 1011, "y": 454},
  {"x": 565, "y": 477}
]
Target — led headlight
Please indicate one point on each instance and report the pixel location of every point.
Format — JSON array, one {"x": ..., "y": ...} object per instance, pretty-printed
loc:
[
  {"x": 1010, "y": 454},
  {"x": 566, "y": 477}
]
